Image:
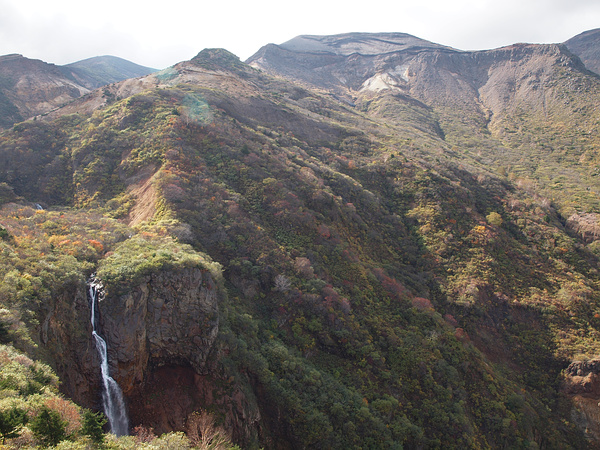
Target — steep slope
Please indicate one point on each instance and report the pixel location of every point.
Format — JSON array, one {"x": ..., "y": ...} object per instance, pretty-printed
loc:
[
  {"x": 587, "y": 46},
  {"x": 493, "y": 104},
  {"x": 31, "y": 87}
]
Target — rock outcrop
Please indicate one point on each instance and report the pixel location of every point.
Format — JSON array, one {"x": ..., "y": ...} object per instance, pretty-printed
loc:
[
  {"x": 171, "y": 318},
  {"x": 66, "y": 338},
  {"x": 582, "y": 384},
  {"x": 586, "y": 225},
  {"x": 160, "y": 330}
]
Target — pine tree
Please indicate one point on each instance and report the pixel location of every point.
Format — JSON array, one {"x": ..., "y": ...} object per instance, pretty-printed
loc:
[
  {"x": 11, "y": 421},
  {"x": 48, "y": 427},
  {"x": 92, "y": 426}
]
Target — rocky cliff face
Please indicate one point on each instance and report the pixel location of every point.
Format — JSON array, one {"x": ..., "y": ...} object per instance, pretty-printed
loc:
[
  {"x": 582, "y": 384},
  {"x": 65, "y": 333},
  {"x": 170, "y": 318},
  {"x": 159, "y": 335}
]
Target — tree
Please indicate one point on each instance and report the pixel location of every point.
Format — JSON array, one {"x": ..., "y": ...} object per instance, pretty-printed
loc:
[
  {"x": 203, "y": 433},
  {"x": 11, "y": 421},
  {"x": 494, "y": 218},
  {"x": 282, "y": 283},
  {"x": 48, "y": 427},
  {"x": 92, "y": 426}
]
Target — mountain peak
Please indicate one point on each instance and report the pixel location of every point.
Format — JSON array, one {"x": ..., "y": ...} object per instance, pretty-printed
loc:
[
  {"x": 362, "y": 43},
  {"x": 217, "y": 58}
]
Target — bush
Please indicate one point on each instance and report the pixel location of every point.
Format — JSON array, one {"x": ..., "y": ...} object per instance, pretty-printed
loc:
[{"x": 494, "y": 218}]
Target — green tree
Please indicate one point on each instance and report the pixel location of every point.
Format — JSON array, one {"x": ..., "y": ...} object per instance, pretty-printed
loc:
[
  {"x": 11, "y": 421},
  {"x": 494, "y": 218},
  {"x": 48, "y": 427},
  {"x": 92, "y": 426},
  {"x": 4, "y": 333}
]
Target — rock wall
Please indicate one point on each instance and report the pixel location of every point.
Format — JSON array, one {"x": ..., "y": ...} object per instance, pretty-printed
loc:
[
  {"x": 582, "y": 384},
  {"x": 161, "y": 335},
  {"x": 171, "y": 318},
  {"x": 66, "y": 342}
]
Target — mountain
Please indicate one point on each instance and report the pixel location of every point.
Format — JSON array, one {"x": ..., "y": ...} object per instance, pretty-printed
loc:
[
  {"x": 101, "y": 70},
  {"x": 585, "y": 45},
  {"x": 363, "y": 240},
  {"x": 478, "y": 100},
  {"x": 30, "y": 87}
]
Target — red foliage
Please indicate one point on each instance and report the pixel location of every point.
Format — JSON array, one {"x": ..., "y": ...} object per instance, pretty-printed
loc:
[
  {"x": 324, "y": 231},
  {"x": 393, "y": 287},
  {"x": 422, "y": 303},
  {"x": 68, "y": 412},
  {"x": 449, "y": 318},
  {"x": 461, "y": 335}
]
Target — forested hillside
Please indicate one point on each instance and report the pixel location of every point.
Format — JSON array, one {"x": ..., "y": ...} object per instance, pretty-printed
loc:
[{"x": 403, "y": 258}]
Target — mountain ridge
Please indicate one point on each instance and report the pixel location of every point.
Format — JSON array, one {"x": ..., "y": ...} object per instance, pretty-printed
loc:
[{"x": 31, "y": 87}]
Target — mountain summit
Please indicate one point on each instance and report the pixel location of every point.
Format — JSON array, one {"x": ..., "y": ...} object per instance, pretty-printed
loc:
[{"x": 361, "y": 43}]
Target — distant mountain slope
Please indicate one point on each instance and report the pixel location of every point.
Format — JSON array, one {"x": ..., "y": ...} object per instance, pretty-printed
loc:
[
  {"x": 485, "y": 99},
  {"x": 339, "y": 62},
  {"x": 30, "y": 87},
  {"x": 100, "y": 70},
  {"x": 587, "y": 46},
  {"x": 361, "y": 43},
  {"x": 385, "y": 287}
]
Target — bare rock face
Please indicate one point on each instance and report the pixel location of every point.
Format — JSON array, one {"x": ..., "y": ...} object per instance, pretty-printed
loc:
[
  {"x": 586, "y": 225},
  {"x": 582, "y": 384},
  {"x": 161, "y": 336},
  {"x": 169, "y": 319},
  {"x": 65, "y": 335}
]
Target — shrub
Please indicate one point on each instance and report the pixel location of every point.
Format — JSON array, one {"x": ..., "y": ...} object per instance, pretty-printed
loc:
[{"x": 494, "y": 218}]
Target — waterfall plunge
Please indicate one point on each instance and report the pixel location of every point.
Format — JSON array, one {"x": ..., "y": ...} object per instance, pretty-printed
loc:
[{"x": 112, "y": 396}]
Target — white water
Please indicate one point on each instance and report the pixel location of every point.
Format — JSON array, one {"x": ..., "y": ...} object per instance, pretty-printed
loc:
[{"x": 112, "y": 396}]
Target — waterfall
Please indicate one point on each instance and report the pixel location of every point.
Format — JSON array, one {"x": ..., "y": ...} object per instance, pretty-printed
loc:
[{"x": 112, "y": 396}]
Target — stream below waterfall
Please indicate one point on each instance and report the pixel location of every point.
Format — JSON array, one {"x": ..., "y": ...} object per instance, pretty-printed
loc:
[{"x": 112, "y": 396}]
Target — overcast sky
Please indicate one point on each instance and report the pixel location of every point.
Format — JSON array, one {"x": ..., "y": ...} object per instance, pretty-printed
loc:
[{"x": 160, "y": 34}]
